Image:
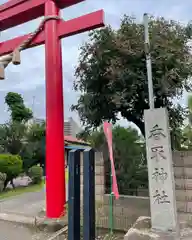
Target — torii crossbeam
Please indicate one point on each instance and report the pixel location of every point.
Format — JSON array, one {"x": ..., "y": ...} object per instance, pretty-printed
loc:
[{"x": 16, "y": 12}]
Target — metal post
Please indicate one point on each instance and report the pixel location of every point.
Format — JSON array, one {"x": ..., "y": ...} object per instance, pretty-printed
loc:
[
  {"x": 74, "y": 196},
  {"x": 55, "y": 165},
  {"x": 148, "y": 62},
  {"x": 89, "y": 194},
  {"x": 111, "y": 223}
]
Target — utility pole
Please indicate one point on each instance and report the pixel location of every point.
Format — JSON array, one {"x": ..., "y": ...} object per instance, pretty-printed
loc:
[{"x": 148, "y": 61}]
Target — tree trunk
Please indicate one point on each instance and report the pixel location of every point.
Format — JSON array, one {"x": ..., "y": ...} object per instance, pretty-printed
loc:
[
  {"x": 135, "y": 120},
  {"x": 12, "y": 184},
  {"x": 5, "y": 184},
  {"x": 141, "y": 126}
]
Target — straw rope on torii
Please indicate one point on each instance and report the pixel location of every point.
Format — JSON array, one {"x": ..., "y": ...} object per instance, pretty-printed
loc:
[{"x": 14, "y": 57}]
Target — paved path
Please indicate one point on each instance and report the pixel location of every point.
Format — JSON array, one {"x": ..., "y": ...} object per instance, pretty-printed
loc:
[
  {"x": 27, "y": 204},
  {"x": 10, "y": 231}
]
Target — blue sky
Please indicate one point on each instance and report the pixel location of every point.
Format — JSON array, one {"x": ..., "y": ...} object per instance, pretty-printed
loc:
[{"x": 29, "y": 77}]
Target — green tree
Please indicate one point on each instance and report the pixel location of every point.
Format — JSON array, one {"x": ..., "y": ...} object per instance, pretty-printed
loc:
[
  {"x": 177, "y": 139},
  {"x": 111, "y": 74},
  {"x": 129, "y": 152},
  {"x": 186, "y": 133},
  {"x": 129, "y": 157},
  {"x": 34, "y": 149},
  {"x": 190, "y": 109},
  {"x": 12, "y": 137},
  {"x": 182, "y": 138},
  {"x": 84, "y": 134},
  {"x": 19, "y": 112},
  {"x": 36, "y": 174},
  {"x": 11, "y": 165},
  {"x": 187, "y": 138}
]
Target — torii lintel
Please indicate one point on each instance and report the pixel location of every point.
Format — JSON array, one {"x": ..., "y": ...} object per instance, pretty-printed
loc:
[
  {"x": 15, "y": 12},
  {"x": 65, "y": 28}
]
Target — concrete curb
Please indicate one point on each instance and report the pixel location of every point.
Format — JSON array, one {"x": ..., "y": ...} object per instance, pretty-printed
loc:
[
  {"x": 15, "y": 218},
  {"x": 50, "y": 225}
]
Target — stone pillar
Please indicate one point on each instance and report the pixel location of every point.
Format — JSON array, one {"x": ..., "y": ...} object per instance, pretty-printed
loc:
[{"x": 160, "y": 170}]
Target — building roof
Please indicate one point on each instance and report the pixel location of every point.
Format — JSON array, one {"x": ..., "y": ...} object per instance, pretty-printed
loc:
[
  {"x": 71, "y": 139},
  {"x": 75, "y": 147}
]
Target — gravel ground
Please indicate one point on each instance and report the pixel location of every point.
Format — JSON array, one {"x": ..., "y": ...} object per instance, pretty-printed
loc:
[
  {"x": 104, "y": 237},
  {"x": 186, "y": 234},
  {"x": 9, "y": 231}
]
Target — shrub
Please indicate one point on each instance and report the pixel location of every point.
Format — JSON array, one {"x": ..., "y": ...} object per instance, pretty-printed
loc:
[
  {"x": 36, "y": 174},
  {"x": 11, "y": 165},
  {"x": 3, "y": 178}
]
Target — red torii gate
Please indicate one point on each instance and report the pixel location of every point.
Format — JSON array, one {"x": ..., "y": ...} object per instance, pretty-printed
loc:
[{"x": 16, "y": 12}]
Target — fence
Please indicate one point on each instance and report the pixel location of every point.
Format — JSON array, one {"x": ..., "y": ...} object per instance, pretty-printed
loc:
[
  {"x": 88, "y": 170},
  {"x": 100, "y": 213},
  {"x": 128, "y": 208},
  {"x": 116, "y": 216},
  {"x": 92, "y": 214},
  {"x": 119, "y": 215}
]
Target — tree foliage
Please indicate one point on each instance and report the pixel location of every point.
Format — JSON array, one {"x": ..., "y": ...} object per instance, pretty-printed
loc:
[
  {"x": 12, "y": 137},
  {"x": 129, "y": 150},
  {"x": 186, "y": 131},
  {"x": 182, "y": 137},
  {"x": 190, "y": 109},
  {"x": 20, "y": 140},
  {"x": 27, "y": 141},
  {"x": 112, "y": 78},
  {"x": 129, "y": 155},
  {"x": 34, "y": 150},
  {"x": 16, "y": 137},
  {"x": 187, "y": 138},
  {"x": 36, "y": 174},
  {"x": 11, "y": 165},
  {"x": 19, "y": 112}
]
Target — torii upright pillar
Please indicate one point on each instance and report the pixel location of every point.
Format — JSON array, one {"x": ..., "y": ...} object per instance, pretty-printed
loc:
[
  {"x": 16, "y": 12},
  {"x": 54, "y": 116}
]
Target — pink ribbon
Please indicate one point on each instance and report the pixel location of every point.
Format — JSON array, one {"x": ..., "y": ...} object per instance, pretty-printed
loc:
[{"x": 107, "y": 127}]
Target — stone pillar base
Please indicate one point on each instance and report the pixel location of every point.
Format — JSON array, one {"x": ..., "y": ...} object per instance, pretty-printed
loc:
[{"x": 141, "y": 230}]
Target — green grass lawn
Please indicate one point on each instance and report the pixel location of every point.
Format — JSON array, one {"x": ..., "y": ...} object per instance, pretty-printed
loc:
[{"x": 20, "y": 190}]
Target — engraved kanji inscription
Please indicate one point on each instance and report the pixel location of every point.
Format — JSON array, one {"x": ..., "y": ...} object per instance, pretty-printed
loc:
[
  {"x": 158, "y": 153},
  {"x": 159, "y": 174},
  {"x": 157, "y": 132},
  {"x": 160, "y": 198}
]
